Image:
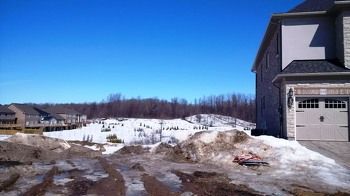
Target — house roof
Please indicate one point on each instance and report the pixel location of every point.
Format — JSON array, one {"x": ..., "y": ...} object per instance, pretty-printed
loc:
[
  {"x": 27, "y": 109},
  {"x": 314, "y": 66},
  {"x": 50, "y": 114},
  {"x": 61, "y": 110},
  {"x": 313, "y": 6},
  {"x": 57, "y": 117},
  {"x": 5, "y": 110}
]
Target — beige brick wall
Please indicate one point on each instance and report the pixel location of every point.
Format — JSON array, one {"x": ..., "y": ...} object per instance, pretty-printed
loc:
[{"x": 346, "y": 36}]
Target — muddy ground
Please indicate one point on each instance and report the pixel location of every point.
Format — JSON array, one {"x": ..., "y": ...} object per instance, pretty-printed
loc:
[{"x": 135, "y": 170}]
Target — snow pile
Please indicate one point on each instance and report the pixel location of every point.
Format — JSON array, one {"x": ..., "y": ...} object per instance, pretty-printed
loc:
[
  {"x": 213, "y": 146},
  {"x": 285, "y": 158},
  {"x": 291, "y": 151},
  {"x": 292, "y": 157}
]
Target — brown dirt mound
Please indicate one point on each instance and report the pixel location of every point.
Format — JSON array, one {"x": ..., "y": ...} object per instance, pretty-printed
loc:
[
  {"x": 197, "y": 149},
  {"x": 40, "y": 141},
  {"x": 176, "y": 154},
  {"x": 132, "y": 150},
  {"x": 21, "y": 153},
  {"x": 163, "y": 148}
]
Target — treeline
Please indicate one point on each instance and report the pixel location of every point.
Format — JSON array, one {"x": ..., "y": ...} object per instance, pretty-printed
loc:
[{"x": 235, "y": 105}]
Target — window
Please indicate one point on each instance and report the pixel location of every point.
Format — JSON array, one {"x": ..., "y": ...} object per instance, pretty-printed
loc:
[
  {"x": 278, "y": 44},
  {"x": 309, "y": 103},
  {"x": 261, "y": 73},
  {"x": 332, "y": 103},
  {"x": 262, "y": 106},
  {"x": 267, "y": 59}
]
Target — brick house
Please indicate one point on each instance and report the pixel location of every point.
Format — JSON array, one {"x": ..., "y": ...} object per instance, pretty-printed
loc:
[
  {"x": 70, "y": 116},
  {"x": 303, "y": 73}
]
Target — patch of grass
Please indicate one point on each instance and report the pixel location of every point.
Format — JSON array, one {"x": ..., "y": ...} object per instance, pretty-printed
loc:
[
  {"x": 32, "y": 131},
  {"x": 113, "y": 138},
  {"x": 7, "y": 132}
]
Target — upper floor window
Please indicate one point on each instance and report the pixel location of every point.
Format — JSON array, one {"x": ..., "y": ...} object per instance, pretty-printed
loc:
[
  {"x": 262, "y": 106},
  {"x": 267, "y": 59},
  {"x": 261, "y": 73},
  {"x": 332, "y": 103},
  {"x": 278, "y": 44}
]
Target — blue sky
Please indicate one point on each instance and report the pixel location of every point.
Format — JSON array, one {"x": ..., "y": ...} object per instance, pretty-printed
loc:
[{"x": 83, "y": 50}]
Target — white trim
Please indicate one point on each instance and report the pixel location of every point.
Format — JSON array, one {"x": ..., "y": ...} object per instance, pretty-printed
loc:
[
  {"x": 300, "y": 14},
  {"x": 295, "y": 118},
  {"x": 341, "y": 2}
]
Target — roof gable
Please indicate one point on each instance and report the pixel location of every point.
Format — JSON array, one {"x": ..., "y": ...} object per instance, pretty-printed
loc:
[
  {"x": 313, "y": 6},
  {"x": 5, "y": 110},
  {"x": 27, "y": 109}
]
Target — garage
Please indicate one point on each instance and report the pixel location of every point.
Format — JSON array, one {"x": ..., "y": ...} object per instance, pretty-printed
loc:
[{"x": 322, "y": 118}]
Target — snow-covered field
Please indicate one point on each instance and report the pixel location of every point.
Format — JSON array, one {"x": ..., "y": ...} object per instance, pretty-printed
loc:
[
  {"x": 146, "y": 131},
  {"x": 133, "y": 130}
]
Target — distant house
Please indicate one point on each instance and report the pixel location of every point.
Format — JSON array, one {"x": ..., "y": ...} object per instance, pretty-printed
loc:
[
  {"x": 27, "y": 115},
  {"x": 53, "y": 119},
  {"x": 303, "y": 73},
  {"x": 7, "y": 116},
  {"x": 70, "y": 116}
]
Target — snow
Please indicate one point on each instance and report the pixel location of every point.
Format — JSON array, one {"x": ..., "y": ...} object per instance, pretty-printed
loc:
[
  {"x": 220, "y": 121},
  {"x": 110, "y": 149},
  {"x": 293, "y": 156},
  {"x": 4, "y": 137},
  {"x": 293, "y": 150},
  {"x": 133, "y": 130},
  {"x": 93, "y": 147}
]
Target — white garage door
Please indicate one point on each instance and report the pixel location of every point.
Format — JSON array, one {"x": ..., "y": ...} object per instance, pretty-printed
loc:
[{"x": 322, "y": 119}]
